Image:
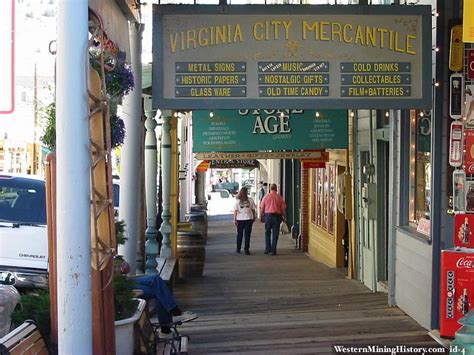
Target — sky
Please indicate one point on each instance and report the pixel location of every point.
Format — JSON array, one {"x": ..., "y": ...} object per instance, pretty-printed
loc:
[{"x": 35, "y": 28}]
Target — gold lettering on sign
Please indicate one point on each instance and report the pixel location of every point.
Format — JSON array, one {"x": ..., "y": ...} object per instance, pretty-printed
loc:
[
  {"x": 376, "y": 37},
  {"x": 205, "y": 37}
]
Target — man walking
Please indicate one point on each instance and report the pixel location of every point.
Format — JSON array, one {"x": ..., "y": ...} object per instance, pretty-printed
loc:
[{"x": 273, "y": 208}]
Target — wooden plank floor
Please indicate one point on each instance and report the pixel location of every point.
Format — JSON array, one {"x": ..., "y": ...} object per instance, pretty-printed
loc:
[{"x": 284, "y": 304}]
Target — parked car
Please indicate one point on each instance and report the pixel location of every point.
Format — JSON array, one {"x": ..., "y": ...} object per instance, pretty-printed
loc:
[
  {"x": 249, "y": 183},
  {"x": 23, "y": 233},
  {"x": 232, "y": 187},
  {"x": 220, "y": 202}
]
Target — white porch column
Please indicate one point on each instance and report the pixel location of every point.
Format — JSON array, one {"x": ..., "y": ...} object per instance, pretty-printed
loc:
[
  {"x": 151, "y": 168},
  {"x": 131, "y": 153},
  {"x": 165, "y": 228},
  {"x": 183, "y": 168},
  {"x": 73, "y": 181}
]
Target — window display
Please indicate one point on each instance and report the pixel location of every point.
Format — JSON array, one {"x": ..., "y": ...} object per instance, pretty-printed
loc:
[{"x": 323, "y": 197}]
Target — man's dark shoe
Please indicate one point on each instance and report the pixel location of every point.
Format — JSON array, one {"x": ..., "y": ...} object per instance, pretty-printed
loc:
[
  {"x": 237, "y": 251},
  {"x": 247, "y": 252},
  {"x": 266, "y": 252}
]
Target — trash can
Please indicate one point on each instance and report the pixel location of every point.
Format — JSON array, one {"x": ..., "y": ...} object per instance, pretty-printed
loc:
[
  {"x": 199, "y": 208},
  {"x": 198, "y": 222},
  {"x": 191, "y": 254}
]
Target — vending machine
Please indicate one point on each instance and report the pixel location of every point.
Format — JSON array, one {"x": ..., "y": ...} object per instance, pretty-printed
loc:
[{"x": 457, "y": 288}]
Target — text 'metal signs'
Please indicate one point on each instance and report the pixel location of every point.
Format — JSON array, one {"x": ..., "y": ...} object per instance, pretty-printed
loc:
[
  {"x": 260, "y": 130},
  {"x": 7, "y": 75},
  {"x": 291, "y": 56}
]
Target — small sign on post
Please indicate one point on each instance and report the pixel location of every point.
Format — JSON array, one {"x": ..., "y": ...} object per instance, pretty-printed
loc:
[
  {"x": 456, "y": 144},
  {"x": 470, "y": 64},
  {"x": 456, "y": 50},
  {"x": 456, "y": 95}
]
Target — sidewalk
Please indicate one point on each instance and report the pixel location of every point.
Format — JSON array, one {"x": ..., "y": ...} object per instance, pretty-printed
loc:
[{"x": 283, "y": 304}]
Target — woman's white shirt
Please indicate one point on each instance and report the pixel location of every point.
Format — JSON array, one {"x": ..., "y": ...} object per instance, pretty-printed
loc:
[{"x": 245, "y": 209}]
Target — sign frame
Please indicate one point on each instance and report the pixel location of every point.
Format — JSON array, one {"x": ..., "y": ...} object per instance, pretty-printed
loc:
[
  {"x": 320, "y": 155},
  {"x": 159, "y": 101},
  {"x": 11, "y": 79},
  {"x": 470, "y": 64},
  {"x": 456, "y": 96}
]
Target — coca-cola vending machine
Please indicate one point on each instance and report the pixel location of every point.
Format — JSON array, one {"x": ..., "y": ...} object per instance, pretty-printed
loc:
[{"x": 457, "y": 288}]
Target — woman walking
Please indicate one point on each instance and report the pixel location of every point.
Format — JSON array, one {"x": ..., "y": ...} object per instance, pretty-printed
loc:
[{"x": 244, "y": 216}]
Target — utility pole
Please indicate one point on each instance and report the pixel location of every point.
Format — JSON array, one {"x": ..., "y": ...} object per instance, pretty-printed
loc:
[
  {"x": 73, "y": 181},
  {"x": 35, "y": 122}
]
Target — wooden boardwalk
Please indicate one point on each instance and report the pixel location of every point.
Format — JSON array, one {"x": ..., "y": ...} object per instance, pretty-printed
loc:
[{"x": 284, "y": 304}]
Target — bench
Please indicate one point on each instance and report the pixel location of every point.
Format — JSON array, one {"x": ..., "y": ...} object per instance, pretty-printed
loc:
[
  {"x": 167, "y": 269},
  {"x": 26, "y": 339},
  {"x": 148, "y": 342}
]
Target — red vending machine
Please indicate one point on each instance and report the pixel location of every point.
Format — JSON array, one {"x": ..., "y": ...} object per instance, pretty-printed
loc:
[{"x": 457, "y": 288}]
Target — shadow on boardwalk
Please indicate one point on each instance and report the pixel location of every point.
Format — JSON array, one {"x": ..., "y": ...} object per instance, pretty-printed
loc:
[{"x": 284, "y": 304}]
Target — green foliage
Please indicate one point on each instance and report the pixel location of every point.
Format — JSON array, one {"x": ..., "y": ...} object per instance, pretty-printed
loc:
[
  {"x": 34, "y": 306},
  {"x": 125, "y": 305},
  {"x": 120, "y": 232},
  {"x": 48, "y": 115}
]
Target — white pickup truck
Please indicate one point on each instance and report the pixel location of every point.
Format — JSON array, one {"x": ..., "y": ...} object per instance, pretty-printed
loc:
[{"x": 23, "y": 232}]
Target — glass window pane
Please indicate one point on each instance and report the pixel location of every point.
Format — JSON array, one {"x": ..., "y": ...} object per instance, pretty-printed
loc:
[
  {"x": 314, "y": 196},
  {"x": 331, "y": 198},
  {"x": 420, "y": 166}
]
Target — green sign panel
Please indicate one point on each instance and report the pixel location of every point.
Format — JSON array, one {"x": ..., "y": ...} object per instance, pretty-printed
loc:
[{"x": 256, "y": 130}]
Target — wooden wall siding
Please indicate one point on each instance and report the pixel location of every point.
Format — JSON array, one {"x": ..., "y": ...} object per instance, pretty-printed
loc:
[
  {"x": 351, "y": 270},
  {"x": 305, "y": 208},
  {"x": 413, "y": 277},
  {"x": 323, "y": 246},
  {"x": 317, "y": 242},
  {"x": 413, "y": 258}
]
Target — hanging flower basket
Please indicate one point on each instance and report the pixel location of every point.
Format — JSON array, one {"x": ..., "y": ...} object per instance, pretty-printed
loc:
[
  {"x": 117, "y": 131},
  {"x": 119, "y": 81}
]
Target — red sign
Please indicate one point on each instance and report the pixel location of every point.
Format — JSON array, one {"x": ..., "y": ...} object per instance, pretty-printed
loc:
[
  {"x": 470, "y": 64},
  {"x": 457, "y": 288},
  {"x": 469, "y": 146},
  {"x": 313, "y": 164},
  {"x": 464, "y": 230}
]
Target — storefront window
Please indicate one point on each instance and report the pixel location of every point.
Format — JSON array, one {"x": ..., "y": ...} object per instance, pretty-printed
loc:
[
  {"x": 319, "y": 197},
  {"x": 420, "y": 166},
  {"x": 331, "y": 198},
  {"x": 323, "y": 198},
  {"x": 313, "y": 195}
]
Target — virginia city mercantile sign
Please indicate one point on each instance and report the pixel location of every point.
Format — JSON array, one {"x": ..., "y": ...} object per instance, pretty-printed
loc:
[
  {"x": 259, "y": 130},
  {"x": 286, "y": 56}
]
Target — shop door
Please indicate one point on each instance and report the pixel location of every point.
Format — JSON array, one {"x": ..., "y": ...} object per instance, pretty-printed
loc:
[{"x": 366, "y": 206}]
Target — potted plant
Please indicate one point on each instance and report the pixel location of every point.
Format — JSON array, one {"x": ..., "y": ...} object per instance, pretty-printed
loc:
[{"x": 128, "y": 309}]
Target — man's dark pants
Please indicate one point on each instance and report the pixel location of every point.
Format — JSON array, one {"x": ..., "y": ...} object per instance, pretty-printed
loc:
[{"x": 272, "y": 228}]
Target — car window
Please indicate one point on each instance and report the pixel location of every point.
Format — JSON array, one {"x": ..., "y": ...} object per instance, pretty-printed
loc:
[
  {"x": 22, "y": 201},
  {"x": 116, "y": 189}
]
